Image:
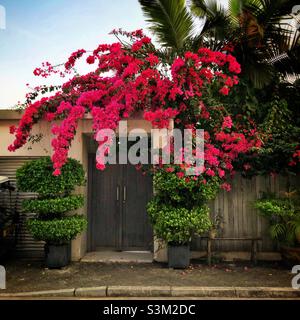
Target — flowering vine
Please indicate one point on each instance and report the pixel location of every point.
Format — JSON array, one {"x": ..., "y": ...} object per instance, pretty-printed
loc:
[{"x": 129, "y": 78}]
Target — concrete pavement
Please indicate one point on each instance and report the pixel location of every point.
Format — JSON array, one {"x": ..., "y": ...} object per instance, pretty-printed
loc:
[{"x": 162, "y": 291}]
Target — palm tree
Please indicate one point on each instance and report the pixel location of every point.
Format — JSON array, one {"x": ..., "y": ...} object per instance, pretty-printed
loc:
[{"x": 265, "y": 40}]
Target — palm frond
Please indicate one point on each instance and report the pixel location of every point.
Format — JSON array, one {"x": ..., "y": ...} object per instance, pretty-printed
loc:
[
  {"x": 277, "y": 231},
  {"x": 217, "y": 24},
  {"x": 169, "y": 20},
  {"x": 260, "y": 74}
]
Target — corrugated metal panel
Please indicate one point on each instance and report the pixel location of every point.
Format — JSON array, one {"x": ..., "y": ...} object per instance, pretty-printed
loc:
[{"x": 26, "y": 247}]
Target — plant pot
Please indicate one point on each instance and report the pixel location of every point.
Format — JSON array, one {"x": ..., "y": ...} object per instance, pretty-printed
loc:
[
  {"x": 290, "y": 255},
  {"x": 178, "y": 256},
  {"x": 57, "y": 256}
]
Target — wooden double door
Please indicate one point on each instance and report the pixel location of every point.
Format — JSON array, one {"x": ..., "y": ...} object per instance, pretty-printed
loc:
[{"x": 118, "y": 218}]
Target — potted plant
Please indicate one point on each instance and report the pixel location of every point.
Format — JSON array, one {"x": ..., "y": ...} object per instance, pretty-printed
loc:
[
  {"x": 53, "y": 222},
  {"x": 283, "y": 214},
  {"x": 178, "y": 212},
  {"x": 176, "y": 226}
]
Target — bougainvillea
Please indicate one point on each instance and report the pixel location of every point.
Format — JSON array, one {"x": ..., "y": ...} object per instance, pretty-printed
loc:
[{"x": 129, "y": 78}]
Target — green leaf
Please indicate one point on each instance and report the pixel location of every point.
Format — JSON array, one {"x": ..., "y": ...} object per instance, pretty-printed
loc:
[
  {"x": 53, "y": 207},
  {"x": 37, "y": 176},
  {"x": 169, "y": 20},
  {"x": 57, "y": 231},
  {"x": 177, "y": 225}
]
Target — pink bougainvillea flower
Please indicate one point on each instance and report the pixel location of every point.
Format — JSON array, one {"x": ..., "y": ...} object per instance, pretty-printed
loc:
[
  {"x": 224, "y": 90},
  {"x": 226, "y": 186},
  {"x": 56, "y": 172},
  {"x": 227, "y": 123},
  {"x": 12, "y": 129},
  {"x": 90, "y": 59},
  {"x": 128, "y": 80},
  {"x": 180, "y": 174}
]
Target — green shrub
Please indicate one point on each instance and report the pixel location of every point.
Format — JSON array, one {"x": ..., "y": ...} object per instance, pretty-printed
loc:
[
  {"x": 54, "y": 200},
  {"x": 36, "y": 176},
  {"x": 52, "y": 207},
  {"x": 57, "y": 231},
  {"x": 283, "y": 215},
  {"x": 186, "y": 192},
  {"x": 177, "y": 225},
  {"x": 273, "y": 208}
]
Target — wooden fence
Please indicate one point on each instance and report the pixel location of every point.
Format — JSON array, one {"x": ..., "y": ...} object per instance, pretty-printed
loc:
[{"x": 240, "y": 218}]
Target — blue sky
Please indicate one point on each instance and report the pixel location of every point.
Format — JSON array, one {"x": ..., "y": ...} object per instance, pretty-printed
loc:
[{"x": 49, "y": 30}]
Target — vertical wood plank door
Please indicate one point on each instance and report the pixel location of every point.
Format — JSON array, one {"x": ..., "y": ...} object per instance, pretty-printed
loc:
[
  {"x": 137, "y": 191},
  {"x": 118, "y": 218},
  {"x": 104, "y": 207}
]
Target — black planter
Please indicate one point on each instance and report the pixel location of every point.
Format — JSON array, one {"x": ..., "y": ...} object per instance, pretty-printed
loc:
[
  {"x": 178, "y": 256},
  {"x": 57, "y": 256}
]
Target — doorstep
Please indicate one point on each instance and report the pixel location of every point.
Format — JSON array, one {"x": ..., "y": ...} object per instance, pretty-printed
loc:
[{"x": 119, "y": 256}]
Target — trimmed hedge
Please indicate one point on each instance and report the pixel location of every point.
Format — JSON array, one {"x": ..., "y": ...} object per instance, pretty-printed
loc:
[
  {"x": 178, "y": 192},
  {"x": 53, "y": 206},
  {"x": 57, "y": 231},
  {"x": 37, "y": 176},
  {"x": 177, "y": 225},
  {"x": 54, "y": 199}
]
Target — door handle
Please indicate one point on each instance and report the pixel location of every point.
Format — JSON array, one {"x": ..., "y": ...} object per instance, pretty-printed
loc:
[
  {"x": 118, "y": 193},
  {"x": 124, "y": 193}
]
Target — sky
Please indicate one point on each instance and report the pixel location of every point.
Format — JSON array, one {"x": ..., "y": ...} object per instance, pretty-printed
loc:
[{"x": 50, "y": 30}]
